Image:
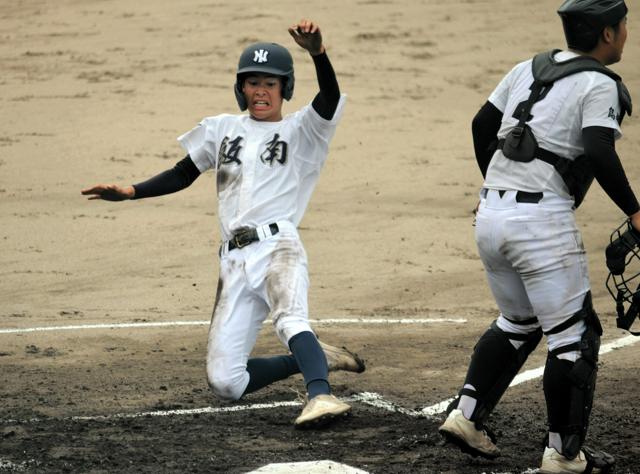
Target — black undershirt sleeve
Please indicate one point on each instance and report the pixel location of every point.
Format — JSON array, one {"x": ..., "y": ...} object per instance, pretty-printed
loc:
[
  {"x": 484, "y": 128},
  {"x": 326, "y": 101},
  {"x": 600, "y": 149},
  {"x": 170, "y": 181}
]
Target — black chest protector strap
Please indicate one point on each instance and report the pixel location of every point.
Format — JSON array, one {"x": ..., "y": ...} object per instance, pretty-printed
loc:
[
  {"x": 547, "y": 70},
  {"x": 521, "y": 145}
]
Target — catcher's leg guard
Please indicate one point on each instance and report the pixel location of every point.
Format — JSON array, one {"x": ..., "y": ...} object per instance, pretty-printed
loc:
[
  {"x": 569, "y": 386},
  {"x": 494, "y": 364}
]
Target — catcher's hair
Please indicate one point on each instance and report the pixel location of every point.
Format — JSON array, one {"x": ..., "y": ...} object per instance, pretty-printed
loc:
[{"x": 581, "y": 35}]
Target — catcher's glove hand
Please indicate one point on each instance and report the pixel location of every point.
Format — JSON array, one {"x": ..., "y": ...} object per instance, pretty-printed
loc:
[{"x": 617, "y": 251}]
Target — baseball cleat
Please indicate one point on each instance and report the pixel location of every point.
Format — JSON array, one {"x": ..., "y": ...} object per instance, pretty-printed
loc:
[
  {"x": 587, "y": 460},
  {"x": 320, "y": 410},
  {"x": 464, "y": 434},
  {"x": 341, "y": 358}
]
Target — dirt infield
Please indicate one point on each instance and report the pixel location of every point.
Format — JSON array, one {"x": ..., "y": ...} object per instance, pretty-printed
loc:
[
  {"x": 114, "y": 373},
  {"x": 97, "y": 90}
]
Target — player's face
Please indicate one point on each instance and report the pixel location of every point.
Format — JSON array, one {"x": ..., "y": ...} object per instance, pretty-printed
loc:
[
  {"x": 620, "y": 39},
  {"x": 617, "y": 39},
  {"x": 264, "y": 97}
]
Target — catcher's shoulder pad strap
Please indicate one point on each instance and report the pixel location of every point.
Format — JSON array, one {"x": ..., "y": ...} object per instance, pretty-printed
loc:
[
  {"x": 547, "y": 70},
  {"x": 625, "y": 99}
]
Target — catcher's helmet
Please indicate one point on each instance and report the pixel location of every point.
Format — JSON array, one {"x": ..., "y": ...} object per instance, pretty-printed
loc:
[
  {"x": 265, "y": 58},
  {"x": 583, "y": 20},
  {"x": 623, "y": 282}
]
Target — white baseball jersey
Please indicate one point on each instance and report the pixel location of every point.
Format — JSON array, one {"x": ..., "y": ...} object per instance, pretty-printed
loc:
[
  {"x": 266, "y": 171},
  {"x": 586, "y": 99}
]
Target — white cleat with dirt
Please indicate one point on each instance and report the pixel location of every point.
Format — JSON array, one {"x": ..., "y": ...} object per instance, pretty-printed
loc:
[
  {"x": 555, "y": 463},
  {"x": 464, "y": 434},
  {"x": 341, "y": 358},
  {"x": 320, "y": 410}
]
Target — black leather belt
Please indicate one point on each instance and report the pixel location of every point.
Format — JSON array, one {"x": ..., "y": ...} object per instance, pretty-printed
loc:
[
  {"x": 533, "y": 198},
  {"x": 521, "y": 196},
  {"x": 248, "y": 236}
]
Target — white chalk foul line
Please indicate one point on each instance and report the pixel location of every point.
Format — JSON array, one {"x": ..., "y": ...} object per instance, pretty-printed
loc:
[
  {"x": 192, "y": 411},
  {"x": 160, "y": 324}
]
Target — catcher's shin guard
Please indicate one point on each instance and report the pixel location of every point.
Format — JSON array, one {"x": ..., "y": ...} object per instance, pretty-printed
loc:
[
  {"x": 494, "y": 364},
  {"x": 569, "y": 386}
]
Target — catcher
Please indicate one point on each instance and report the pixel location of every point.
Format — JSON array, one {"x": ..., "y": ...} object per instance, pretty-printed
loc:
[{"x": 547, "y": 129}]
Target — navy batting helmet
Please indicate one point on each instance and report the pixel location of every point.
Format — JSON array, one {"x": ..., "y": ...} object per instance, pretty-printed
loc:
[
  {"x": 583, "y": 20},
  {"x": 265, "y": 58}
]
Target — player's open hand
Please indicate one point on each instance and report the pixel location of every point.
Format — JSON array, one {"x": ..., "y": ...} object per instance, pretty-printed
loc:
[
  {"x": 307, "y": 34},
  {"x": 109, "y": 192}
]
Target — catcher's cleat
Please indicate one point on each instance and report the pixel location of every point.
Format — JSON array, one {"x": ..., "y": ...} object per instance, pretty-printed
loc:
[
  {"x": 464, "y": 434},
  {"x": 320, "y": 410},
  {"x": 587, "y": 460},
  {"x": 341, "y": 358}
]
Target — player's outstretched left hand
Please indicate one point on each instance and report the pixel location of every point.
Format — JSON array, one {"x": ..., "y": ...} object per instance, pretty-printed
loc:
[
  {"x": 307, "y": 34},
  {"x": 109, "y": 192}
]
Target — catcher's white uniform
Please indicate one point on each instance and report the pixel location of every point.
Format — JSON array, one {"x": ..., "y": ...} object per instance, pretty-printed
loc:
[
  {"x": 533, "y": 252},
  {"x": 266, "y": 173}
]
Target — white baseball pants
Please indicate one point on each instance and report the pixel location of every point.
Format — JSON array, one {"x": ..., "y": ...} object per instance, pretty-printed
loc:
[
  {"x": 535, "y": 262},
  {"x": 268, "y": 277}
]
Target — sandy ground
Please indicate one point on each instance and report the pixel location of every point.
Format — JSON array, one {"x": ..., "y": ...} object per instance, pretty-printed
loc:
[{"x": 97, "y": 90}]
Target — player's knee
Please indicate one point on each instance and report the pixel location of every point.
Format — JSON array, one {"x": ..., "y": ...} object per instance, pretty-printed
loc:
[
  {"x": 584, "y": 323},
  {"x": 226, "y": 389},
  {"x": 568, "y": 337},
  {"x": 229, "y": 387}
]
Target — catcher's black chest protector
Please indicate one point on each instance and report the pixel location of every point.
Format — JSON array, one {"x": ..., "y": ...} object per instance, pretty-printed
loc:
[{"x": 521, "y": 145}]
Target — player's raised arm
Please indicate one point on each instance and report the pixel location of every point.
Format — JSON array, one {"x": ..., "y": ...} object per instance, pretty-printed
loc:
[
  {"x": 307, "y": 34},
  {"x": 170, "y": 181}
]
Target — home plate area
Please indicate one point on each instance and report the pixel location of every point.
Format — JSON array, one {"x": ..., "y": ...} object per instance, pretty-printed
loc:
[
  {"x": 374, "y": 439},
  {"x": 380, "y": 437},
  {"x": 389, "y": 431},
  {"x": 312, "y": 467}
]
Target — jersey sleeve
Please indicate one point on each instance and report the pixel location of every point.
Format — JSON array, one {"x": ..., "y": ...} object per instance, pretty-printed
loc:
[
  {"x": 500, "y": 95},
  {"x": 601, "y": 105},
  {"x": 317, "y": 131},
  {"x": 200, "y": 143}
]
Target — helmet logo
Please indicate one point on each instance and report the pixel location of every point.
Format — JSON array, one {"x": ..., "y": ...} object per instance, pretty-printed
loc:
[{"x": 260, "y": 56}]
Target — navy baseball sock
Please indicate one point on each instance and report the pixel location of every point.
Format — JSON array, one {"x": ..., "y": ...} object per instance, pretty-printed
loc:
[
  {"x": 263, "y": 372},
  {"x": 312, "y": 363}
]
